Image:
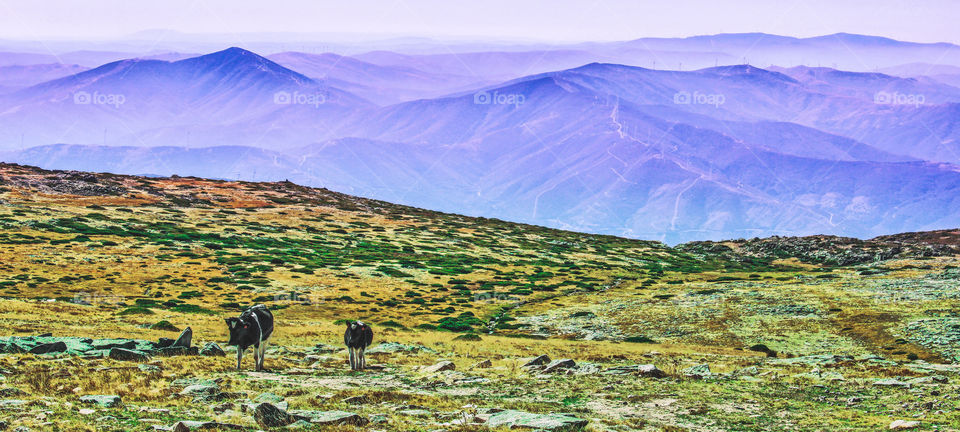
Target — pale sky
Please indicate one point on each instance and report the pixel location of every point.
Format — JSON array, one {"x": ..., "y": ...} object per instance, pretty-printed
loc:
[{"x": 540, "y": 20}]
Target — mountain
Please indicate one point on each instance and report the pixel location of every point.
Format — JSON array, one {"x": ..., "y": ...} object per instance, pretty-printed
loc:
[
  {"x": 160, "y": 102},
  {"x": 18, "y": 77},
  {"x": 384, "y": 85}
]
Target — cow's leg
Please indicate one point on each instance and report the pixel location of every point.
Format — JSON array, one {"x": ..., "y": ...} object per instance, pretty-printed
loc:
[
  {"x": 239, "y": 356},
  {"x": 352, "y": 361},
  {"x": 363, "y": 359},
  {"x": 256, "y": 357},
  {"x": 263, "y": 352}
]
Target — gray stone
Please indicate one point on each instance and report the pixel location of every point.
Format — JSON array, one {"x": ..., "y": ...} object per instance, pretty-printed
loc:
[
  {"x": 650, "y": 371},
  {"x": 331, "y": 418},
  {"x": 49, "y": 348},
  {"x": 904, "y": 425},
  {"x": 547, "y": 422},
  {"x": 269, "y": 397},
  {"x": 268, "y": 415},
  {"x": 185, "y": 339},
  {"x": 483, "y": 364},
  {"x": 890, "y": 382},
  {"x": 393, "y": 347},
  {"x": 14, "y": 404},
  {"x": 559, "y": 364},
  {"x": 698, "y": 371},
  {"x": 212, "y": 350},
  {"x": 441, "y": 366},
  {"x": 11, "y": 392},
  {"x": 148, "y": 368},
  {"x": 106, "y": 401},
  {"x": 536, "y": 361},
  {"x": 356, "y": 400},
  {"x": 200, "y": 390},
  {"x": 123, "y": 354}
]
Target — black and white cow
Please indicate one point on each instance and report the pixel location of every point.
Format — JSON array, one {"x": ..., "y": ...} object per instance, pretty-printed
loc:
[
  {"x": 357, "y": 337},
  {"x": 252, "y": 328}
]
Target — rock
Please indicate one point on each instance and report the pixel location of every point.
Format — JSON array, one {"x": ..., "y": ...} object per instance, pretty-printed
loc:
[
  {"x": 185, "y": 339},
  {"x": 212, "y": 350},
  {"x": 123, "y": 354},
  {"x": 393, "y": 347},
  {"x": 49, "y": 348},
  {"x": 650, "y": 371},
  {"x": 559, "y": 364},
  {"x": 483, "y": 364},
  {"x": 422, "y": 413},
  {"x": 698, "y": 371},
  {"x": 164, "y": 325},
  {"x": 200, "y": 390},
  {"x": 180, "y": 427},
  {"x": 536, "y": 361},
  {"x": 268, "y": 397},
  {"x": 356, "y": 400},
  {"x": 11, "y": 392},
  {"x": 326, "y": 349},
  {"x": 14, "y": 404},
  {"x": 441, "y": 366},
  {"x": 267, "y": 415},
  {"x": 331, "y": 418},
  {"x": 547, "y": 422},
  {"x": 148, "y": 368},
  {"x": 747, "y": 371},
  {"x": 890, "y": 382},
  {"x": 904, "y": 425},
  {"x": 106, "y": 401},
  {"x": 171, "y": 351},
  {"x": 165, "y": 342}
]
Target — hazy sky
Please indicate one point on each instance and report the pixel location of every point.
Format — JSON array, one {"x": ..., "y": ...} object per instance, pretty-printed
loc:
[{"x": 550, "y": 20}]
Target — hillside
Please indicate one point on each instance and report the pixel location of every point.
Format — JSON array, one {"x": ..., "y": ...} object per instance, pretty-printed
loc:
[{"x": 744, "y": 335}]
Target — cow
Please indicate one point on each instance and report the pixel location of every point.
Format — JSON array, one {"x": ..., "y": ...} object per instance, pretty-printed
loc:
[
  {"x": 357, "y": 337},
  {"x": 252, "y": 328}
]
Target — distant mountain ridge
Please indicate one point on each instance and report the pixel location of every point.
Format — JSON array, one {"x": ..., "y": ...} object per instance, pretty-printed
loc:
[{"x": 719, "y": 152}]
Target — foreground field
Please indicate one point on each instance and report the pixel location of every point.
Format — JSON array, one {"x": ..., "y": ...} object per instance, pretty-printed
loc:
[{"x": 817, "y": 333}]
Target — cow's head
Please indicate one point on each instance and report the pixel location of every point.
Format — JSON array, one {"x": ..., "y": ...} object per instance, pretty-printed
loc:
[{"x": 239, "y": 329}]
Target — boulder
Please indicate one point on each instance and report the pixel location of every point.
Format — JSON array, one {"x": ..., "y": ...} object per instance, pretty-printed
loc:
[
  {"x": 331, "y": 418},
  {"x": 890, "y": 382},
  {"x": 106, "y": 401},
  {"x": 698, "y": 371},
  {"x": 547, "y": 422},
  {"x": 904, "y": 425},
  {"x": 49, "y": 348},
  {"x": 559, "y": 364},
  {"x": 356, "y": 400},
  {"x": 212, "y": 350},
  {"x": 441, "y": 366},
  {"x": 650, "y": 371},
  {"x": 536, "y": 361},
  {"x": 483, "y": 364},
  {"x": 123, "y": 354},
  {"x": 171, "y": 351},
  {"x": 185, "y": 339},
  {"x": 200, "y": 390},
  {"x": 269, "y": 416}
]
